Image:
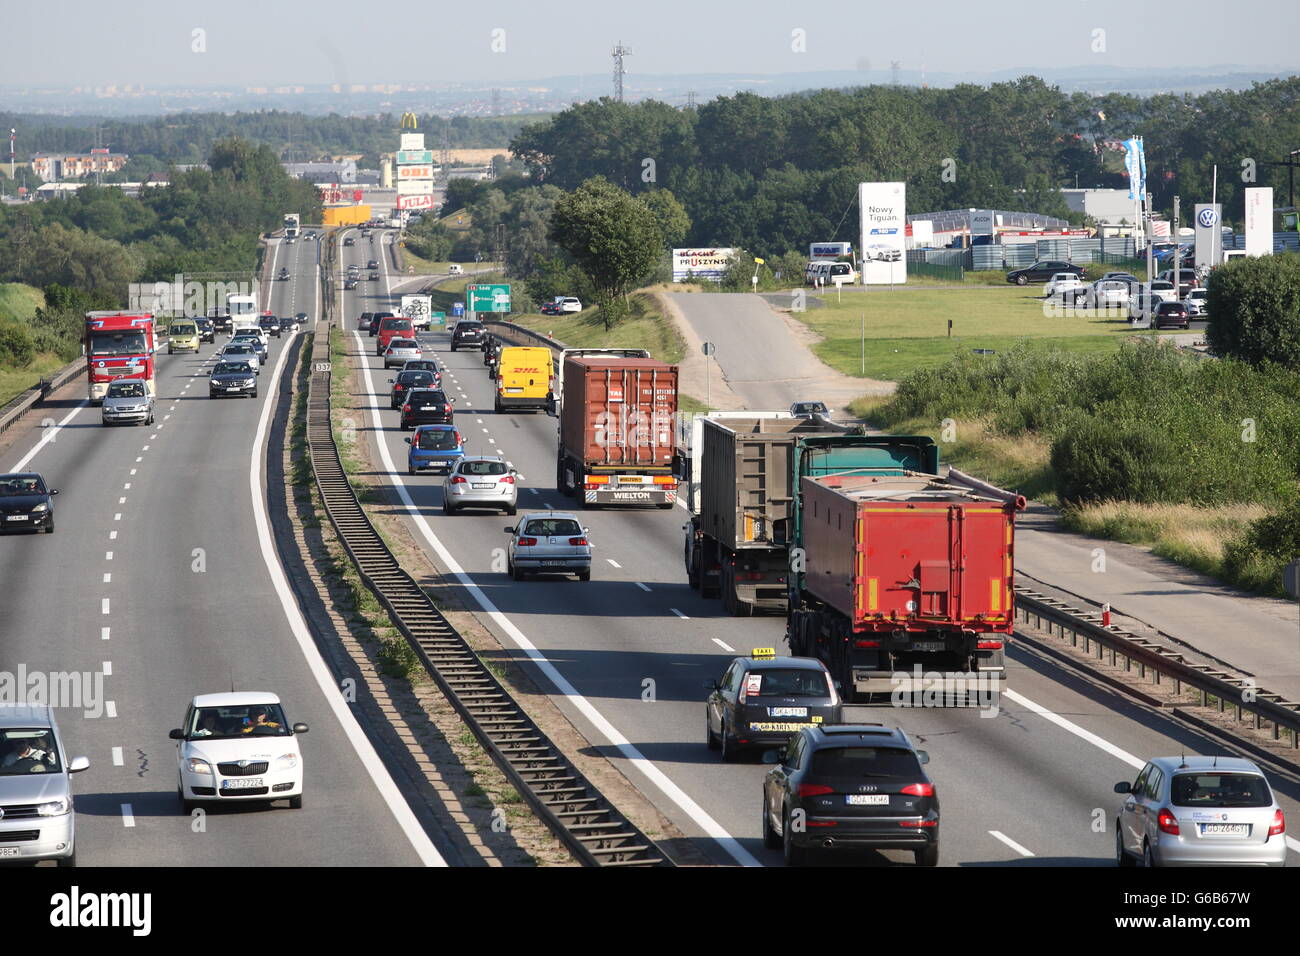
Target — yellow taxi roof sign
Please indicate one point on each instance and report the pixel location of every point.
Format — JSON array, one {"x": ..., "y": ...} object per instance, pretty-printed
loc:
[{"x": 763, "y": 652}]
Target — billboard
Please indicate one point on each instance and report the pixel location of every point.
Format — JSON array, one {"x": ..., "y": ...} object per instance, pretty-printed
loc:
[
  {"x": 1135, "y": 167},
  {"x": 417, "y": 308},
  {"x": 412, "y": 141},
  {"x": 411, "y": 156},
  {"x": 414, "y": 202},
  {"x": 415, "y": 187},
  {"x": 922, "y": 233},
  {"x": 1259, "y": 221},
  {"x": 884, "y": 252},
  {"x": 829, "y": 250},
  {"x": 981, "y": 222},
  {"x": 1209, "y": 235},
  {"x": 701, "y": 263}
]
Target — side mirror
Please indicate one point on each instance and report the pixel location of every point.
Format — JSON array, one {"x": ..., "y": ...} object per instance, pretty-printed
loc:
[
  {"x": 176, "y": 734},
  {"x": 771, "y": 756},
  {"x": 78, "y": 764},
  {"x": 300, "y": 728},
  {"x": 407, "y": 440},
  {"x": 1124, "y": 787},
  {"x": 510, "y": 530},
  {"x": 452, "y": 400},
  {"x": 391, "y": 381},
  {"x": 586, "y": 531},
  {"x": 54, "y": 491},
  {"x": 923, "y": 756}
]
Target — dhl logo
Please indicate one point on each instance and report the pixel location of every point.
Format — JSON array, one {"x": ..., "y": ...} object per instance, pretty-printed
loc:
[{"x": 523, "y": 370}]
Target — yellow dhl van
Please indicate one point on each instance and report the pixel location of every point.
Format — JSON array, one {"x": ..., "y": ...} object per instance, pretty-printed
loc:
[
  {"x": 523, "y": 377},
  {"x": 182, "y": 336}
]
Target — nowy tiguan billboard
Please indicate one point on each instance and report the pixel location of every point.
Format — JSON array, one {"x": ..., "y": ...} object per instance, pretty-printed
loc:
[{"x": 884, "y": 227}]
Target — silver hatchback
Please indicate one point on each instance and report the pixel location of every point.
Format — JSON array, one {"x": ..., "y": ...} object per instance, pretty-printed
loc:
[
  {"x": 549, "y": 542},
  {"x": 1200, "y": 811},
  {"x": 127, "y": 400},
  {"x": 480, "y": 481}
]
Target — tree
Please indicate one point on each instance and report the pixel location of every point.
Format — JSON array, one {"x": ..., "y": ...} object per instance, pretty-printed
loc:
[
  {"x": 671, "y": 216},
  {"x": 613, "y": 237},
  {"x": 1254, "y": 310}
]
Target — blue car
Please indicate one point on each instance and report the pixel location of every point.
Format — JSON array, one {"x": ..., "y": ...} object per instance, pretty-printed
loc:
[{"x": 434, "y": 448}]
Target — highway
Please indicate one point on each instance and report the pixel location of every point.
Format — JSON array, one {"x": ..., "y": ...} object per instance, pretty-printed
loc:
[
  {"x": 163, "y": 577},
  {"x": 626, "y": 655}
]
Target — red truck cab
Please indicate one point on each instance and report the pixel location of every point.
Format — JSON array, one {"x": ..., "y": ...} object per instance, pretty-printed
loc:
[{"x": 118, "y": 345}]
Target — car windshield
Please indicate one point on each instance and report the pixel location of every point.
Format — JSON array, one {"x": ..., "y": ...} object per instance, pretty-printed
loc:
[
  {"x": 28, "y": 750},
  {"x": 181, "y": 330},
  {"x": 237, "y": 350},
  {"x": 117, "y": 343},
  {"x": 792, "y": 682},
  {"x": 483, "y": 468},
  {"x": 126, "y": 390},
  {"x": 866, "y": 762},
  {"x": 1217, "y": 789},
  {"x": 232, "y": 368},
  {"x": 438, "y": 439},
  {"x": 243, "y": 720},
  {"x": 14, "y": 485},
  {"x": 553, "y": 526}
]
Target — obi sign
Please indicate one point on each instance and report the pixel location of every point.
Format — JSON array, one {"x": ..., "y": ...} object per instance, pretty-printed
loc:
[{"x": 701, "y": 263}]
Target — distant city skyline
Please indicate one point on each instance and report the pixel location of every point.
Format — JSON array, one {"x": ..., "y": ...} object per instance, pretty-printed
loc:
[{"x": 246, "y": 44}]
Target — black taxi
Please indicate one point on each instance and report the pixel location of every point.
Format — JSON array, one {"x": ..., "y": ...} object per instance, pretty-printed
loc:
[{"x": 762, "y": 699}]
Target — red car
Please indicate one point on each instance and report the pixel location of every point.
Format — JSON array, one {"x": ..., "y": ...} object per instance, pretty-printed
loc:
[{"x": 1172, "y": 315}]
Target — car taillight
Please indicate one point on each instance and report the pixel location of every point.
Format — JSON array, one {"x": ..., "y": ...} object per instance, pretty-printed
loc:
[
  {"x": 527, "y": 542},
  {"x": 399, "y": 387},
  {"x": 507, "y": 479},
  {"x": 446, "y": 408},
  {"x": 1167, "y": 822},
  {"x": 406, "y": 407},
  {"x": 581, "y": 541},
  {"x": 919, "y": 790},
  {"x": 458, "y": 480},
  {"x": 814, "y": 789},
  {"x": 1279, "y": 824}
]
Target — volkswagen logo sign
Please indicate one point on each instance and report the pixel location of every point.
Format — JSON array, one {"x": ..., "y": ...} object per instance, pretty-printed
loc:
[{"x": 1207, "y": 217}]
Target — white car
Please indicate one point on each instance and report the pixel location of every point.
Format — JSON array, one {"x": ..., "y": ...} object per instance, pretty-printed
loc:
[
  {"x": 251, "y": 328},
  {"x": 1195, "y": 302},
  {"x": 570, "y": 304},
  {"x": 236, "y": 748},
  {"x": 1110, "y": 294},
  {"x": 883, "y": 252},
  {"x": 1065, "y": 286}
]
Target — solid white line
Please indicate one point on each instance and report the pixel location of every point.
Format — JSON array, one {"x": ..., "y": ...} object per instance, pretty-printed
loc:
[
  {"x": 643, "y": 587},
  {"x": 329, "y": 689},
  {"x": 103, "y": 633},
  {"x": 612, "y": 561},
  {"x": 638, "y": 760},
  {"x": 117, "y": 757},
  {"x": 21, "y": 465},
  {"x": 1010, "y": 842},
  {"x": 679, "y": 614},
  {"x": 128, "y": 815},
  {"x": 723, "y": 645}
]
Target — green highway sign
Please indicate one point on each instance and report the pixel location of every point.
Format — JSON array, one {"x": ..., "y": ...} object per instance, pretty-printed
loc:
[
  {"x": 489, "y": 298},
  {"x": 437, "y": 318},
  {"x": 414, "y": 157}
]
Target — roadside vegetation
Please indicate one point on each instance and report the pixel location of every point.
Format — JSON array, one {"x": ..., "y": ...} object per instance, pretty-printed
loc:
[{"x": 646, "y": 327}]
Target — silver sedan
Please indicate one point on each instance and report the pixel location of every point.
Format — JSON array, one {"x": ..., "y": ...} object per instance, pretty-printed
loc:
[
  {"x": 401, "y": 351},
  {"x": 549, "y": 542}
]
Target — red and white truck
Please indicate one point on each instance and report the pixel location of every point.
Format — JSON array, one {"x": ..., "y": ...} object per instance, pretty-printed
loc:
[
  {"x": 616, "y": 431},
  {"x": 118, "y": 345}
]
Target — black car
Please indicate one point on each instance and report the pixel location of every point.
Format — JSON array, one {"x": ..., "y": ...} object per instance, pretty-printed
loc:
[
  {"x": 349, "y": 241},
  {"x": 850, "y": 786},
  {"x": 207, "y": 330},
  {"x": 424, "y": 365},
  {"x": 550, "y": 308},
  {"x": 408, "y": 380},
  {"x": 1042, "y": 272},
  {"x": 232, "y": 378},
  {"x": 374, "y": 277},
  {"x": 287, "y": 323},
  {"x": 761, "y": 700},
  {"x": 1172, "y": 315},
  {"x": 426, "y": 406},
  {"x": 375, "y": 319},
  {"x": 222, "y": 322},
  {"x": 270, "y": 325},
  {"x": 284, "y": 274},
  {"x": 467, "y": 333},
  {"x": 372, "y": 264},
  {"x": 26, "y": 503},
  {"x": 349, "y": 285}
]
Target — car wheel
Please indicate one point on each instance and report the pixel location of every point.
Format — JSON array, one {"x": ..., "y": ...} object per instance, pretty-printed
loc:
[
  {"x": 67, "y": 860},
  {"x": 511, "y": 510},
  {"x": 584, "y": 575},
  {"x": 794, "y": 855},
  {"x": 929, "y": 856},
  {"x": 1121, "y": 855},
  {"x": 49, "y": 528},
  {"x": 516, "y": 573},
  {"x": 770, "y": 839},
  {"x": 447, "y": 509},
  {"x": 1148, "y": 858},
  {"x": 254, "y": 393},
  {"x": 1022, "y": 280},
  {"x": 728, "y": 753},
  {"x": 295, "y": 803},
  {"x": 710, "y": 739}
]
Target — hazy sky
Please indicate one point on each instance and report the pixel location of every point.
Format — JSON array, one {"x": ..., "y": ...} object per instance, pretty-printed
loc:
[{"x": 275, "y": 42}]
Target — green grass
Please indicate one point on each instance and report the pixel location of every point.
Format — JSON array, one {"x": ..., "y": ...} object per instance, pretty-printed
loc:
[
  {"x": 646, "y": 327},
  {"x": 13, "y": 382},
  {"x": 907, "y": 327},
  {"x": 19, "y": 301}
]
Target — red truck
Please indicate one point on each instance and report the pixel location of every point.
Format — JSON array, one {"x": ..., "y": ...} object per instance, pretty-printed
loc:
[
  {"x": 901, "y": 572},
  {"x": 616, "y": 434},
  {"x": 118, "y": 345}
]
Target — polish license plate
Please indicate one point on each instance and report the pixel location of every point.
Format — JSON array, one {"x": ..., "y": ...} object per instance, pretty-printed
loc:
[
  {"x": 1225, "y": 829},
  {"x": 787, "y": 711},
  {"x": 927, "y": 645},
  {"x": 553, "y": 564},
  {"x": 426, "y": 408},
  {"x": 242, "y": 783},
  {"x": 8, "y": 851},
  {"x": 234, "y": 388},
  {"x": 16, "y": 517},
  {"x": 483, "y": 485},
  {"x": 867, "y": 799},
  {"x": 514, "y": 389}
]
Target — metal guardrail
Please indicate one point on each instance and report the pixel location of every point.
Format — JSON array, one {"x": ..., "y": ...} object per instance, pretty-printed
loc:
[
  {"x": 589, "y": 826},
  {"x": 20, "y": 405},
  {"x": 1158, "y": 664}
]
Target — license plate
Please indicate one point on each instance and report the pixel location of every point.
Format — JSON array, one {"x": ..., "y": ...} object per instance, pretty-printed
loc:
[
  {"x": 514, "y": 389},
  {"x": 242, "y": 783},
  {"x": 553, "y": 564},
  {"x": 234, "y": 388},
  {"x": 16, "y": 517},
  {"x": 927, "y": 645},
  {"x": 8, "y": 851},
  {"x": 867, "y": 799},
  {"x": 483, "y": 485},
  {"x": 788, "y": 711},
  {"x": 776, "y": 728},
  {"x": 1225, "y": 829},
  {"x": 426, "y": 408}
]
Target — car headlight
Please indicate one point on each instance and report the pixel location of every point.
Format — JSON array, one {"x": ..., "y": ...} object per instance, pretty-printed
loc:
[
  {"x": 198, "y": 765},
  {"x": 43, "y": 506},
  {"x": 54, "y": 808},
  {"x": 287, "y": 762}
]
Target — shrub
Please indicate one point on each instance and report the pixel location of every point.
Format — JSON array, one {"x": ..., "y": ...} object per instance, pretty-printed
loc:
[
  {"x": 1257, "y": 560},
  {"x": 16, "y": 346},
  {"x": 1254, "y": 309}
]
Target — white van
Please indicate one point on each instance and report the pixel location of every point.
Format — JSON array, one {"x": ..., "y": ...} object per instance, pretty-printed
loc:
[
  {"x": 828, "y": 271},
  {"x": 454, "y": 269}
]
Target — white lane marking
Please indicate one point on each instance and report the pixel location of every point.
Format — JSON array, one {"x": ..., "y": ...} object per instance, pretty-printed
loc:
[
  {"x": 997, "y": 835},
  {"x": 137, "y": 461},
  {"x": 723, "y": 645},
  {"x": 329, "y": 688},
  {"x": 112, "y": 536},
  {"x": 643, "y": 587},
  {"x": 649, "y": 768},
  {"x": 480, "y": 421},
  {"x": 108, "y": 668},
  {"x": 679, "y": 614},
  {"x": 492, "y": 441},
  {"x": 21, "y": 465},
  {"x": 110, "y": 708},
  {"x": 108, "y": 555},
  {"x": 117, "y": 516},
  {"x": 103, "y": 606},
  {"x": 612, "y": 561},
  {"x": 134, "y": 470},
  {"x": 151, "y": 438},
  {"x": 127, "y": 486},
  {"x": 122, "y": 500},
  {"x": 108, "y": 578},
  {"x": 1117, "y": 752},
  {"x": 128, "y": 815},
  {"x": 165, "y": 417},
  {"x": 117, "y": 757},
  {"x": 533, "y": 491},
  {"x": 547, "y": 506},
  {"x": 103, "y": 633},
  {"x": 485, "y": 431}
]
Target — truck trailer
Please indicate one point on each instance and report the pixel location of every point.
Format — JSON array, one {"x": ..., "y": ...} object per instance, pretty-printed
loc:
[{"x": 904, "y": 579}]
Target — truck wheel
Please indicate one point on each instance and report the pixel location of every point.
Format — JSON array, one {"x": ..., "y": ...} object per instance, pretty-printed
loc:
[{"x": 692, "y": 569}]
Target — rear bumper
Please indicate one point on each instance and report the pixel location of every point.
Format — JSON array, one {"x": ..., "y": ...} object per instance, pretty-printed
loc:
[
  {"x": 513, "y": 401},
  {"x": 432, "y": 464},
  {"x": 1175, "y": 851},
  {"x": 864, "y": 834},
  {"x": 111, "y": 417}
]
